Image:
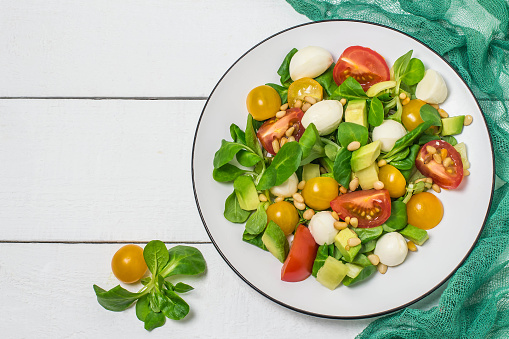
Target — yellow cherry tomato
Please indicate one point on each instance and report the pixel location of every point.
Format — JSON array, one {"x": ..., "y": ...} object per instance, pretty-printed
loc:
[
  {"x": 304, "y": 87},
  {"x": 424, "y": 210},
  {"x": 411, "y": 116},
  {"x": 263, "y": 102},
  {"x": 285, "y": 215},
  {"x": 128, "y": 264},
  {"x": 393, "y": 180},
  {"x": 319, "y": 192}
]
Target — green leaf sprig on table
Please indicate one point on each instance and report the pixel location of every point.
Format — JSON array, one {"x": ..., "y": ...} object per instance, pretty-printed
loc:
[{"x": 159, "y": 298}]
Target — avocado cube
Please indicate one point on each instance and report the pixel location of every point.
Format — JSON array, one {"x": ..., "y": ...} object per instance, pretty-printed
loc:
[
  {"x": 310, "y": 171},
  {"x": 331, "y": 273},
  {"x": 365, "y": 156},
  {"x": 368, "y": 176},
  {"x": 415, "y": 234},
  {"x": 452, "y": 125},
  {"x": 357, "y": 112},
  {"x": 341, "y": 242},
  {"x": 353, "y": 270},
  {"x": 246, "y": 192},
  {"x": 276, "y": 242}
]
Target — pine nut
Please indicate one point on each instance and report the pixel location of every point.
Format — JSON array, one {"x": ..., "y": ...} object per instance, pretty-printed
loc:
[
  {"x": 342, "y": 101},
  {"x": 306, "y": 106},
  {"x": 443, "y": 114},
  {"x": 352, "y": 242},
  {"x": 435, "y": 106},
  {"x": 342, "y": 189},
  {"x": 299, "y": 205},
  {"x": 447, "y": 162},
  {"x": 402, "y": 95},
  {"x": 353, "y": 146},
  {"x": 354, "y": 184},
  {"x": 311, "y": 100},
  {"x": 429, "y": 180},
  {"x": 308, "y": 214},
  {"x": 297, "y": 104},
  {"x": 283, "y": 107},
  {"x": 466, "y": 173},
  {"x": 262, "y": 197},
  {"x": 443, "y": 153},
  {"x": 275, "y": 145},
  {"x": 298, "y": 197},
  {"x": 381, "y": 268},
  {"x": 335, "y": 215},
  {"x": 291, "y": 138},
  {"x": 280, "y": 114},
  {"x": 283, "y": 141},
  {"x": 437, "y": 158},
  {"x": 340, "y": 225},
  {"x": 347, "y": 220},
  {"x": 382, "y": 163},
  {"x": 347, "y": 248},
  {"x": 354, "y": 222},
  {"x": 436, "y": 188},
  {"x": 378, "y": 185},
  {"x": 301, "y": 185},
  {"x": 468, "y": 120},
  {"x": 419, "y": 180},
  {"x": 406, "y": 101},
  {"x": 374, "y": 259},
  {"x": 411, "y": 246},
  {"x": 322, "y": 170},
  {"x": 431, "y": 149},
  {"x": 279, "y": 199},
  {"x": 289, "y": 132}
]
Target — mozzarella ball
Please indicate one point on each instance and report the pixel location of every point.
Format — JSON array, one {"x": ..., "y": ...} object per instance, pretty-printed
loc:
[
  {"x": 322, "y": 228},
  {"x": 309, "y": 62},
  {"x": 286, "y": 189},
  {"x": 391, "y": 248},
  {"x": 388, "y": 133},
  {"x": 325, "y": 115},
  {"x": 432, "y": 88}
]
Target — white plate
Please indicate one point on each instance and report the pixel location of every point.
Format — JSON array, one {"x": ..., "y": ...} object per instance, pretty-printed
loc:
[{"x": 450, "y": 242}]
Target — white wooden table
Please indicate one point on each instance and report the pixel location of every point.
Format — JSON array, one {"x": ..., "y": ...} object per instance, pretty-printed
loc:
[{"x": 99, "y": 102}]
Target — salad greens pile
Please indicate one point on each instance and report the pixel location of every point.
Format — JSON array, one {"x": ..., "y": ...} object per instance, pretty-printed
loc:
[{"x": 159, "y": 298}]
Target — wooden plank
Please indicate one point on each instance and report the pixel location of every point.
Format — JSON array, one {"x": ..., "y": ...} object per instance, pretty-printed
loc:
[
  {"x": 98, "y": 170},
  {"x": 129, "y": 48},
  {"x": 50, "y": 295}
]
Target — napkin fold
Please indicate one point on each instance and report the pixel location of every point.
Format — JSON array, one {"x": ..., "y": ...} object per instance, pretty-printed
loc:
[{"x": 474, "y": 37}]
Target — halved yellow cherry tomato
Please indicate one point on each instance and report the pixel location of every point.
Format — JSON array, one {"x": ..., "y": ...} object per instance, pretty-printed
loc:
[
  {"x": 424, "y": 210},
  {"x": 411, "y": 116},
  {"x": 128, "y": 264},
  {"x": 304, "y": 87},
  {"x": 285, "y": 215},
  {"x": 319, "y": 192},
  {"x": 263, "y": 102},
  {"x": 393, "y": 181}
]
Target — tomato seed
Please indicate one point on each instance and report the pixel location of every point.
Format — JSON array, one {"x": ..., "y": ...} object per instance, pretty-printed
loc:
[
  {"x": 369, "y": 217},
  {"x": 443, "y": 153}
]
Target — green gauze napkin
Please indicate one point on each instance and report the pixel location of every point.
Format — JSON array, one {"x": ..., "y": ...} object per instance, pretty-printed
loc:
[{"x": 473, "y": 36}]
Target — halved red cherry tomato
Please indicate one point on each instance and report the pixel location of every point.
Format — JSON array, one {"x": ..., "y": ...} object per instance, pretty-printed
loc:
[
  {"x": 371, "y": 208},
  {"x": 446, "y": 174},
  {"x": 299, "y": 263},
  {"x": 363, "y": 64},
  {"x": 275, "y": 128}
]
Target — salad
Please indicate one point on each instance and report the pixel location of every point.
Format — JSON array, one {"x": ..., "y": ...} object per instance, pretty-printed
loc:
[{"x": 332, "y": 173}]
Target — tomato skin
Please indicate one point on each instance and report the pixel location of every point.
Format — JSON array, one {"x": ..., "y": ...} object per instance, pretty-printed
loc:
[
  {"x": 411, "y": 116},
  {"x": 318, "y": 192},
  {"x": 363, "y": 64},
  {"x": 354, "y": 203},
  {"x": 128, "y": 264},
  {"x": 299, "y": 263},
  {"x": 393, "y": 180},
  {"x": 284, "y": 214},
  {"x": 438, "y": 172},
  {"x": 263, "y": 102},
  {"x": 299, "y": 89},
  {"x": 424, "y": 210},
  {"x": 275, "y": 128}
]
